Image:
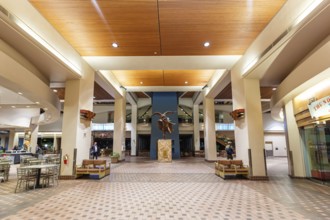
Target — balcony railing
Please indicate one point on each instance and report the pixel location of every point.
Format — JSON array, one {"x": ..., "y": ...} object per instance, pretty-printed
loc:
[{"x": 110, "y": 126}]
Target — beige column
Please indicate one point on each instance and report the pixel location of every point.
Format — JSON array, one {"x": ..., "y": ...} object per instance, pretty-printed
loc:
[
  {"x": 55, "y": 143},
  {"x": 11, "y": 142},
  {"x": 34, "y": 128},
  {"x": 76, "y": 132},
  {"x": 196, "y": 127},
  {"x": 295, "y": 150},
  {"x": 249, "y": 135},
  {"x": 15, "y": 141},
  {"x": 133, "y": 131},
  {"x": 119, "y": 126},
  {"x": 209, "y": 129}
]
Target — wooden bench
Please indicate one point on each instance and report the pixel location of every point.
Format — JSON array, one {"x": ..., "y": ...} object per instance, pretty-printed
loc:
[
  {"x": 94, "y": 168},
  {"x": 231, "y": 168}
]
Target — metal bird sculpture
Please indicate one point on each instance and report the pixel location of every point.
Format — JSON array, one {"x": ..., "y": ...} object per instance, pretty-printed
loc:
[{"x": 164, "y": 123}]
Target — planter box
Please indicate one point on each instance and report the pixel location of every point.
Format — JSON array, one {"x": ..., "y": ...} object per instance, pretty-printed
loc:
[{"x": 114, "y": 159}]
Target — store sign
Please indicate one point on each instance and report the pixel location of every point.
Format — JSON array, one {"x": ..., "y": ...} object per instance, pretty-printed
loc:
[{"x": 320, "y": 107}]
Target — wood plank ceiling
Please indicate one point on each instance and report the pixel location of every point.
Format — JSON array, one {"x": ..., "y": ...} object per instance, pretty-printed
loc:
[{"x": 159, "y": 28}]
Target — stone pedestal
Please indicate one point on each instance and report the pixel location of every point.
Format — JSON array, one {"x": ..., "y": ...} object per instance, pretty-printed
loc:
[{"x": 165, "y": 150}]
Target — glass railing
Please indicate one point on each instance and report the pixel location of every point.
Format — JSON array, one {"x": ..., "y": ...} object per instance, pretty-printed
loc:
[{"x": 110, "y": 126}]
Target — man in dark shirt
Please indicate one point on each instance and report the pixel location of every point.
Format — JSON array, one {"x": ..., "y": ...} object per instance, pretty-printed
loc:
[{"x": 95, "y": 150}]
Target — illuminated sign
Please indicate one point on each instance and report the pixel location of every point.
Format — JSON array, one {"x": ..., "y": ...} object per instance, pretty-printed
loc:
[{"x": 320, "y": 107}]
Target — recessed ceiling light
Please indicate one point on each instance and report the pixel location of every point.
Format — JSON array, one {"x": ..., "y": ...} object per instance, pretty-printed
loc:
[
  {"x": 54, "y": 90},
  {"x": 115, "y": 45},
  {"x": 19, "y": 93},
  {"x": 13, "y": 106},
  {"x": 274, "y": 89},
  {"x": 206, "y": 44},
  {"x": 28, "y": 106},
  {"x": 37, "y": 103}
]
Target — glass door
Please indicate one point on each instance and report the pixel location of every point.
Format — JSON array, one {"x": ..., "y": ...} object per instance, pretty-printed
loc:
[{"x": 317, "y": 142}]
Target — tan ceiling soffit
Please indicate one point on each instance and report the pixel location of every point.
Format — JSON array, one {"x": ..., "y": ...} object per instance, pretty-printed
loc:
[
  {"x": 161, "y": 62},
  {"x": 163, "y": 88},
  {"x": 107, "y": 81}
]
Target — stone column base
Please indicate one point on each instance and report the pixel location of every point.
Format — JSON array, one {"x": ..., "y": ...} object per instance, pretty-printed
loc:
[{"x": 165, "y": 150}]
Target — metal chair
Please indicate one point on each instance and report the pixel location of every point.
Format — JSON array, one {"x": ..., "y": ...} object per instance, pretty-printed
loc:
[
  {"x": 25, "y": 176},
  {"x": 4, "y": 170},
  {"x": 36, "y": 162},
  {"x": 51, "y": 175}
]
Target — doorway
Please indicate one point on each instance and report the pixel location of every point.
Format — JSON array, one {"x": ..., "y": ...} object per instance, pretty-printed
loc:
[
  {"x": 143, "y": 145},
  {"x": 317, "y": 151},
  {"x": 269, "y": 148},
  {"x": 186, "y": 145}
]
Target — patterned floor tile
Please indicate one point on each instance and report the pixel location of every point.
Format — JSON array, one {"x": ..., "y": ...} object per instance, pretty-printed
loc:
[{"x": 185, "y": 189}]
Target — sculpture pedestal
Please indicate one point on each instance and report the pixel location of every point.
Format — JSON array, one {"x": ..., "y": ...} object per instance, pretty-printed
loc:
[{"x": 165, "y": 150}]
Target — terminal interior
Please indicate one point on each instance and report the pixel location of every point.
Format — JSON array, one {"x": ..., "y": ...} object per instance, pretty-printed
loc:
[{"x": 198, "y": 109}]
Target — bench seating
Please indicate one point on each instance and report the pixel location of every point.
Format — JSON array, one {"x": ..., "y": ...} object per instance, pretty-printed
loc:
[
  {"x": 94, "y": 168},
  {"x": 231, "y": 168}
]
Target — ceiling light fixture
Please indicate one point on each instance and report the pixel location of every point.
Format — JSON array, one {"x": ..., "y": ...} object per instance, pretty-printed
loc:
[
  {"x": 54, "y": 90},
  {"x": 115, "y": 45},
  {"x": 206, "y": 44},
  {"x": 13, "y": 106},
  {"x": 186, "y": 82},
  {"x": 274, "y": 89},
  {"x": 19, "y": 93}
]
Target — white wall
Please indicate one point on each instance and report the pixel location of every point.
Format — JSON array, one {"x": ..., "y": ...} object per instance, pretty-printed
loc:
[
  {"x": 52, "y": 127},
  {"x": 186, "y": 102},
  {"x": 270, "y": 125},
  {"x": 279, "y": 144},
  {"x": 101, "y": 117},
  {"x": 274, "y": 132}
]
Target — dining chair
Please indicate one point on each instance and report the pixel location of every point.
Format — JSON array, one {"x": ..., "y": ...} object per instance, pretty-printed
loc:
[
  {"x": 25, "y": 177},
  {"x": 4, "y": 170},
  {"x": 51, "y": 175}
]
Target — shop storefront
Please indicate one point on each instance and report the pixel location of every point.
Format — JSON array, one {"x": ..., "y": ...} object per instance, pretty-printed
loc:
[
  {"x": 317, "y": 150},
  {"x": 313, "y": 119}
]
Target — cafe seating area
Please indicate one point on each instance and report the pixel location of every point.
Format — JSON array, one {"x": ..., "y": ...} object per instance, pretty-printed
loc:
[{"x": 37, "y": 172}]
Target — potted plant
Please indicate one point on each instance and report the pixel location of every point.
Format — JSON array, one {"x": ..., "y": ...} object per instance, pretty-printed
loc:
[{"x": 114, "y": 157}]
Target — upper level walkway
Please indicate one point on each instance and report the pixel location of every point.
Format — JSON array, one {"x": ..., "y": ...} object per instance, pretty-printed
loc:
[{"x": 184, "y": 189}]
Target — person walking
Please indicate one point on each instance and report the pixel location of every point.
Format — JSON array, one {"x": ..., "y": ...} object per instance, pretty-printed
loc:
[
  {"x": 229, "y": 151},
  {"x": 95, "y": 150}
]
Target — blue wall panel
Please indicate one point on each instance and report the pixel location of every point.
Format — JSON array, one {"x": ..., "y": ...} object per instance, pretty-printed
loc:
[{"x": 162, "y": 102}]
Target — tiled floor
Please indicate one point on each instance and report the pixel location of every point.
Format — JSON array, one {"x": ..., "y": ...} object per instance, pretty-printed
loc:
[{"x": 184, "y": 189}]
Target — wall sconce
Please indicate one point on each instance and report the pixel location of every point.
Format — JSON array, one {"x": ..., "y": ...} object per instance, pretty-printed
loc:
[{"x": 238, "y": 114}]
